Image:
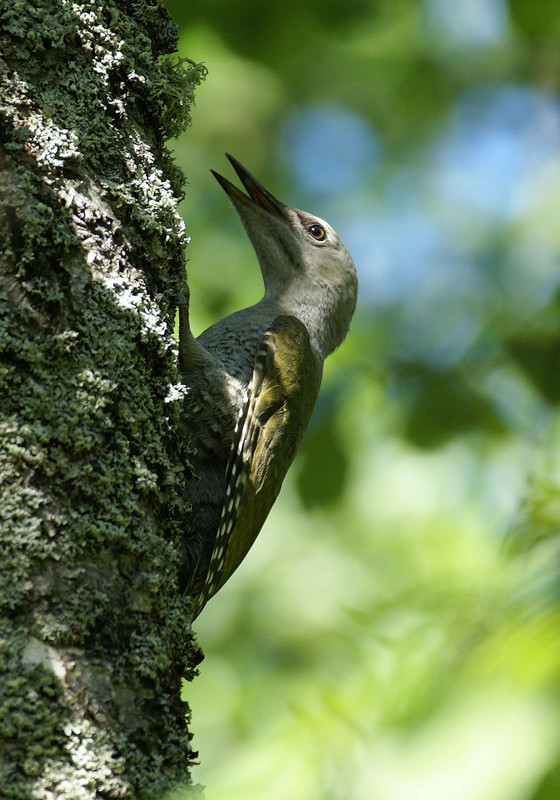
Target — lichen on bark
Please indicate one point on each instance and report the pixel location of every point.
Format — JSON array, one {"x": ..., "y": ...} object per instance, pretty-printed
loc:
[{"x": 93, "y": 634}]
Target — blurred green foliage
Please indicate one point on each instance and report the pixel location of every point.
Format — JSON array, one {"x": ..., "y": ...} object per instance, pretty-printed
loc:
[{"x": 395, "y": 631}]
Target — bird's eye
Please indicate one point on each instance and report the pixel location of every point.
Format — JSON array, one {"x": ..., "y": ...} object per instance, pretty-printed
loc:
[{"x": 317, "y": 231}]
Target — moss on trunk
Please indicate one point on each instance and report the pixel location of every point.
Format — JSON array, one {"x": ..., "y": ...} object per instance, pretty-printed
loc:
[{"x": 93, "y": 634}]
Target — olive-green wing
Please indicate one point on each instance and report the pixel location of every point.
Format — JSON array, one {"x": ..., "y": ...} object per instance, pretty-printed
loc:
[{"x": 277, "y": 407}]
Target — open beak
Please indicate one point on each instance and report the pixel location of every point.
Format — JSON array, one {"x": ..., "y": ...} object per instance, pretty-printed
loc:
[{"x": 256, "y": 195}]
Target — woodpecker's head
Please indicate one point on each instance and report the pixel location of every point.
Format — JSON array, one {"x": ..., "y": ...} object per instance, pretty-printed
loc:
[{"x": 306, "y": 269}]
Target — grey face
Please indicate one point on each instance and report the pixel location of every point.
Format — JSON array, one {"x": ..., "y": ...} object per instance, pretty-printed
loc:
[{"x": 300, "y": 255}]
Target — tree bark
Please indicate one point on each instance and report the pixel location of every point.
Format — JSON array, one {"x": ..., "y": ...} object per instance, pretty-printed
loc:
[{"x": 94, "y": 638}]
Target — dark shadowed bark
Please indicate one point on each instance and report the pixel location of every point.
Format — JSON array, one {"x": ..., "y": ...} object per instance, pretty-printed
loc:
[{"x": 93, "y": 632}]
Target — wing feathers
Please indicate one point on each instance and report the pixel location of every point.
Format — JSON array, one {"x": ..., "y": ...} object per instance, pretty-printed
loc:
[{"x": 272, "y": 419}]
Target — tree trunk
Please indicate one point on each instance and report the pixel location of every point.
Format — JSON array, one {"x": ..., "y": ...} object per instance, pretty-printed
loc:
[{"x": 94, "y": 637}]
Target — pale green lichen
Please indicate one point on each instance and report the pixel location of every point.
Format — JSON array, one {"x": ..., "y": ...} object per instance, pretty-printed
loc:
[{"x": 92, "y": 512}]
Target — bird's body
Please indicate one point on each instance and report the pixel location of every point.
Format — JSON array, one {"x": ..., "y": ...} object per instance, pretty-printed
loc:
[{"x": 253, "y": 379}]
